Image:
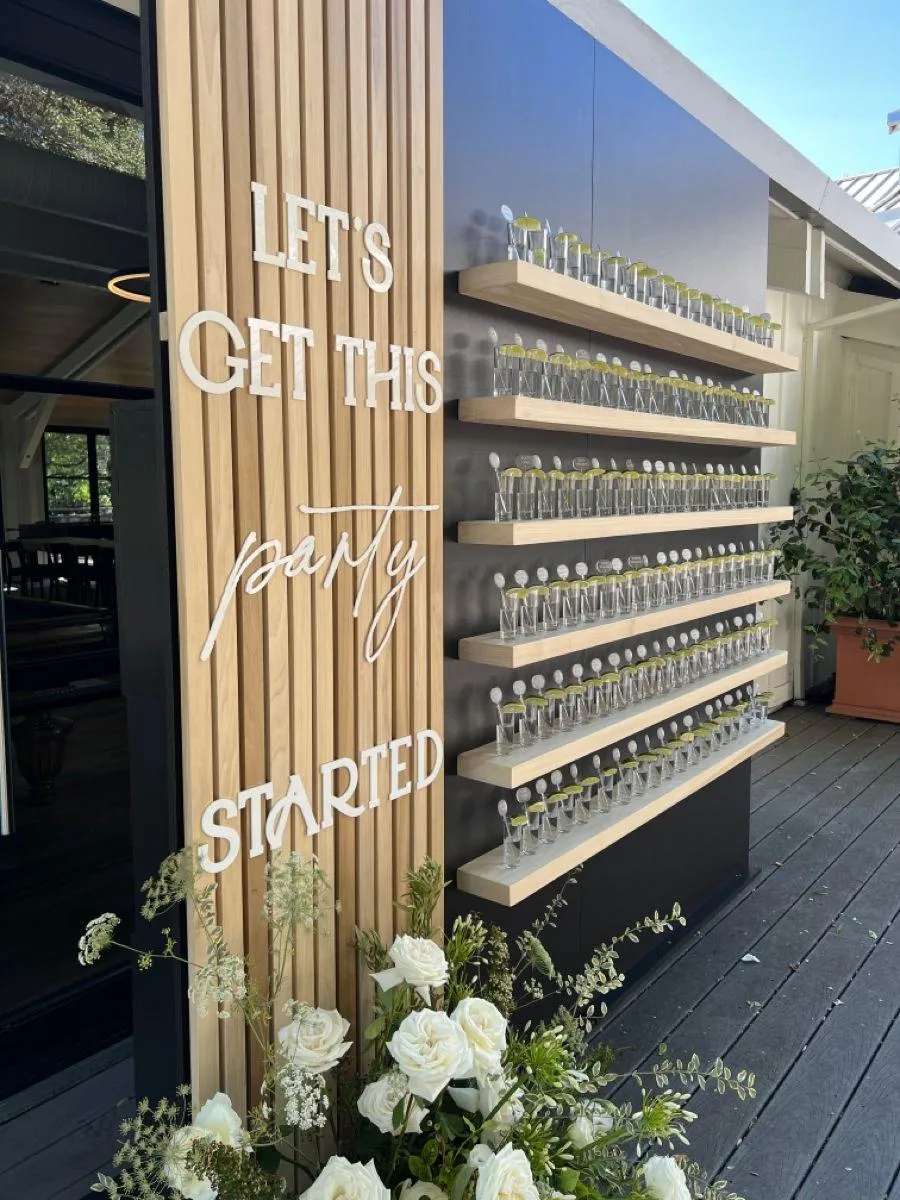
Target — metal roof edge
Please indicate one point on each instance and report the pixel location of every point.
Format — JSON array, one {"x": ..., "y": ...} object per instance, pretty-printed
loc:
[{"x": 795, "y": 181}]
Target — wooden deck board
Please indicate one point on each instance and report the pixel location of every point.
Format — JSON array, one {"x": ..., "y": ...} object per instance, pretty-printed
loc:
[
  {"x": 827, "y": 842},
  {"x": 64, "y": 1131}
]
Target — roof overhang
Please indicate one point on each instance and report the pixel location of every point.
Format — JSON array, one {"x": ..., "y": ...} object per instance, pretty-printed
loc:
[{"x": 794, "y": 181}]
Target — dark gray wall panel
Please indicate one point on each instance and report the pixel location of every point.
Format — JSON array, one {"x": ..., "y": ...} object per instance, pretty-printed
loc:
[
  {"x": 540, "y": 117},
  {"x": 669, "y": 191}
]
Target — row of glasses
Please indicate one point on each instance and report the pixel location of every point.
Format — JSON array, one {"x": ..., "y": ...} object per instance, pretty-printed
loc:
[
  {"x": 575, "y": 795},
  {"x": 530, "y": 239},
  {"x": 569, "y": 598},
  {"x": 539, "y": 374},
  {"x": 527, "y": 491},
  {"x": 542, "y": 712}
]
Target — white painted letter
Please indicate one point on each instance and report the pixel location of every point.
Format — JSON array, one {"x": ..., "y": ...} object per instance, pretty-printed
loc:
[
  {"x": 254, "y": 796},
  {"x": 300, "y": 337},
  {"x": 333, "y": 217},
  {"x": 398, "y": 768},
  {"x": 211, "y": 386},
  {"x": 280, "y": 813},
  {"x": 258, "y": 360},
  {"x": 352, "y": 348},
  {"x": 330, "y": 801},
  {"x": 422, "y": 738},
  {"x": 374, "y": 237},
  {"x": 213, "y": 829},
  {"x": 373, "y": 377},
  {"x": 369, "y": 758},
  {"x": 260, "y": 254},
  {"x": 296, "y": 233},
  {"x": 428, "y": 358}
]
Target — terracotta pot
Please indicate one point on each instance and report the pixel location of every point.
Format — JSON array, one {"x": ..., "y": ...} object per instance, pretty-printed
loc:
[{"x": 864, "y": 688}]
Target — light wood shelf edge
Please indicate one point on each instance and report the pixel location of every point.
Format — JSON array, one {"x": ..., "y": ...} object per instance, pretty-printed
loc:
[
  {"x": 486, "y": 877},
  {"x": 579, "y": 529},
  {"x": 530, "y": 289},
  {"x": 494, "y": 651},
  {"x": 524, "y": 412},
  {"x": 484, "y": 765}
]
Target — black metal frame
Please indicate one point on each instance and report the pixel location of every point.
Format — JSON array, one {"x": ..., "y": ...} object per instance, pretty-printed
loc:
[
  {"x": 99, "y": 47},
  {"x": 93, "y": 476}
]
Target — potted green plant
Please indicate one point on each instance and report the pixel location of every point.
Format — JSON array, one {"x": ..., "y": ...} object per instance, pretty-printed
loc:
[{"x": 843, "y": 553}]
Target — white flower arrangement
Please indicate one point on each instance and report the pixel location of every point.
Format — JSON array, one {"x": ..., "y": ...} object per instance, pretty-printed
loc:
[{"x": 463, "y": 1097}]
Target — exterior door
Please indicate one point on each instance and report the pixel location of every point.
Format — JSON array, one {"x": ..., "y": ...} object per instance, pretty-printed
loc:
[{"x": 871, "y": 393}]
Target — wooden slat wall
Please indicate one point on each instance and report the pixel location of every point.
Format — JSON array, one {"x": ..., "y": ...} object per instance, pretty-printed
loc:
[{"x": 338, "y": 101}]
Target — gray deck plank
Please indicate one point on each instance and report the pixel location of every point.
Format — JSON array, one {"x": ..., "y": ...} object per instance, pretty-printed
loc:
[
  {"x": 649, "y": 1013},
  {"x": 64, "y": 1115},
  {"x": 824, "y": 771},
  {"x": 804, "y": 964},
  {"x": 818, "y": 1018},
  {"x": 860, "y": 1157},
  {"x": 776, "y": 1153},
  {"x": 722, "y": 986},
  {"x": 789, "y": 772},
  {"x": 796, "y": 741}
]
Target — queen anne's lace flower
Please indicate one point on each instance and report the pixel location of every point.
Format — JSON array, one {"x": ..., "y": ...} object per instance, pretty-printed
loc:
[
  {"x": 305, "y": 1097},
  {"x": 96, "y": 937},
  {"x": 222, "y": 979}
]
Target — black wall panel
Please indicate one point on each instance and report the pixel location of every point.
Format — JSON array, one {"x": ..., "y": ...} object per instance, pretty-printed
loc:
[{"x": 541, "y": 117}]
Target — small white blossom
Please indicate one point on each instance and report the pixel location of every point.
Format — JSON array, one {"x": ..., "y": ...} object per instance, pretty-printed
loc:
[
  {"x": 222, "y": 979},
  {"x": 305, "y": 1097},
  {"x": 96, "y": 937}
]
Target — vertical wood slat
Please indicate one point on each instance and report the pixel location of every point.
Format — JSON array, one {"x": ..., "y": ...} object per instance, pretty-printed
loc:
[
  {"x": 243, "y": 89},
  {"x": 398, "y": 156},
  {"x": 382, "y": 478},
  {"x": 189, "y": 483}
]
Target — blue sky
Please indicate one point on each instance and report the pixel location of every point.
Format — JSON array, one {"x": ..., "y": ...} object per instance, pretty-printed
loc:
[{"x": 822, "y": 73}]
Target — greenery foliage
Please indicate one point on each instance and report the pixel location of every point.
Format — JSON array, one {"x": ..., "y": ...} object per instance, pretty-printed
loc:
[
  {"x": 843, "y": 548},
  {"x": 538, "y": 1115},
  {"x": 39, "y": 116}
]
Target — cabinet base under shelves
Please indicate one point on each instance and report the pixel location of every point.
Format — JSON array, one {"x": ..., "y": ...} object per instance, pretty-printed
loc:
[{"x": 488, "y": 878}]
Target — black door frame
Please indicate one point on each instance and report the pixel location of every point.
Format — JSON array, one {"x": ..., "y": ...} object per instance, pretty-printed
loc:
[{"x": 113, "y": 53}]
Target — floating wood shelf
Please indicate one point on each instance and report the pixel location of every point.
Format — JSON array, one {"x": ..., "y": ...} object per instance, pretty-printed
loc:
[
  {"x": 611, "y": 422},
  {"x": 544, "y": 293},
  {"x": 578, "y": 529},
  {"x": 487, "y": 877},
  {"x": 495, "y": 651},
  {"x": 521, "y": 766}
]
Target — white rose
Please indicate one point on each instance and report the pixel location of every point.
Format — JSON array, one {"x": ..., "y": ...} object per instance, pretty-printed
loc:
[
  {"x": 175, "y": 1165},
  {"x": 416, "y": 1190},
  {"x": 218, "y": 1119},
  {"x": 313, "y": 1040},
  {"x": 430, "y": 1050},
  {"x": 484, "y": 1026},
  {"x": 379, "y": 1099},
  {"x": 343, "y": 1180},
  {"x": 417, "y": 961},
  {"x": 509, "y": 1114},
  {"x": 506, "y": 1174},
  {"x": 591, "y": 1122},
  {"x": 664, "y": 1178}
]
